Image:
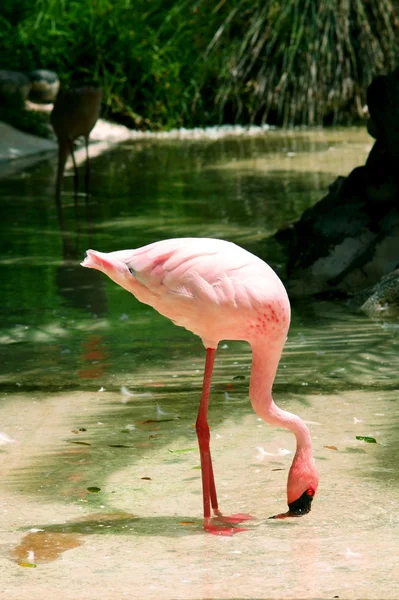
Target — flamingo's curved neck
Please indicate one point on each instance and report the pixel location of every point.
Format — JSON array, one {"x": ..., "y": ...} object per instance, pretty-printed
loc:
[{"x": 265, "y": 359}]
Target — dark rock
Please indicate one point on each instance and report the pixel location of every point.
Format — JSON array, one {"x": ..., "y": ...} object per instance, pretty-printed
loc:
[
  {"x": 45, "y": 86},
  {"x": 350, "y": 239},
  {"x": 371, "y": 128},
  {"x": 383, "y": 102},
  {"x": 14, "y": 86}
]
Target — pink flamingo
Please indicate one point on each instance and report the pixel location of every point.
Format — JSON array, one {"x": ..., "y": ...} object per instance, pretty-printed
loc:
[{"x": 220, "y": 291}]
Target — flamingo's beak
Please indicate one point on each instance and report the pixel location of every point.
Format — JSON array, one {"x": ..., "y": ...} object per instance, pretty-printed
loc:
[
  {"x": 97, "y": 260},
  {"x": 298, "y": 508}
]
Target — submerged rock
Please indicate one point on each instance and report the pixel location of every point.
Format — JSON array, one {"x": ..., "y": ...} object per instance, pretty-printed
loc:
[{"x": 383, "y": 298}]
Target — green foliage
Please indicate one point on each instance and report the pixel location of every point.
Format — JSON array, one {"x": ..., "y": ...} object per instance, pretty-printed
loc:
[
  {"x": 165, "y": 63},
  {"x": 115, "y": 42},
  {"x": 299, "y": 61}
]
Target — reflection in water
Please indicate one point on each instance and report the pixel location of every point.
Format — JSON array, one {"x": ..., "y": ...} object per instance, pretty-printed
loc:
[
  {"x": 304, "y": 554},
  {"x": 93, "y": 357},
  {"x": 77, "y": 290},
  {"x": 73, "y": 286}
]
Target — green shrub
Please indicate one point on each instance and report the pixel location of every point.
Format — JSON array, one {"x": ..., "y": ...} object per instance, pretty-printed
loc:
[{"x": 166, "y": 63}]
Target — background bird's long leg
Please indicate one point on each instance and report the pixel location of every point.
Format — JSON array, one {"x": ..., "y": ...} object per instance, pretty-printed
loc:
[
  {"x": 62, "y": 156},
  {"x": 75, "y": 168},
  {"x": 202, "y": 428},
  {"x": 87, "y": 170}
]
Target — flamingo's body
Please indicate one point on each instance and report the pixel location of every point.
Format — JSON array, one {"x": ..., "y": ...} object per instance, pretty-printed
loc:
[
  {"x": 74, "y": 115},
  {"x": 220, "y": 291}
]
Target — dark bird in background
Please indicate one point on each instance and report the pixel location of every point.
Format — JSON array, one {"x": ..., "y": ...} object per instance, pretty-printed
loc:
[{"x": 74, "y": 114}]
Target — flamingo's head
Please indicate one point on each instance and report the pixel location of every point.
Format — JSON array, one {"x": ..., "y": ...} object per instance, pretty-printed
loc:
[
  {"x": 303, "y": 480},
  {"x": 113, "y": 264}
]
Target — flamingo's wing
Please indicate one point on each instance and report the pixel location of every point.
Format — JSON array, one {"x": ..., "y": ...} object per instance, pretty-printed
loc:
[{"x": 206, "y": 270}]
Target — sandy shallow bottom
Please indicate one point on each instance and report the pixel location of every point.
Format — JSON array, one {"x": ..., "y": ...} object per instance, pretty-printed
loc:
[{"x": 140, "y": 536}]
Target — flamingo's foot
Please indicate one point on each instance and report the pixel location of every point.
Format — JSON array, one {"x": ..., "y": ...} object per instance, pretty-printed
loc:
[
  {"x": 236, "y": 518},
  {"x": 219, "y": 530}
]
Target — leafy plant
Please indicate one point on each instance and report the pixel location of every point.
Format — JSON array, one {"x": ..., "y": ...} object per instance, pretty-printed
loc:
[
  {"x": 301, "y": 61},
  {"x": 168, "y": 63}
]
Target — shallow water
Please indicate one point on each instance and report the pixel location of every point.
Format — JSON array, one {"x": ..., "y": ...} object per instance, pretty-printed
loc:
[{"x": 101, "y": 493}]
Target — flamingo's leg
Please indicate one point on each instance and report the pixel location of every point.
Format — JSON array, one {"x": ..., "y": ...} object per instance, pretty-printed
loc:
[{"x": 203, "y": 435}]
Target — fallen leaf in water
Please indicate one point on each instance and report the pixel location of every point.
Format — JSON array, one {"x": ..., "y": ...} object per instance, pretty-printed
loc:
[
  {"x": 119, "y": 446},
  {"x": 147, "y": 478},
  {"x": 277, "y": 469},
  {"x": 182, "y": 450},
  {"x": 149, "y": 421},
  {"x": 331, "y": 447},
  {"x": 94, "y": 490},
  {"x": 81, "y": 443},
  {"x": 365, "y": 438},
  {"x": 186, "y": 523},
  {"x": 195, "y": 468},
  {"x": 240, "y": 377}
]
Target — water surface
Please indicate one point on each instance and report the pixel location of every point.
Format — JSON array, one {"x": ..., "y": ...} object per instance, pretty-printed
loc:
[{"x": 100, "y": 481}]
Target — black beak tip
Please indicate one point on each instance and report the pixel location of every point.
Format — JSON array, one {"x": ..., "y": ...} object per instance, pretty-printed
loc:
[{"x": 298, "y": 508}]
